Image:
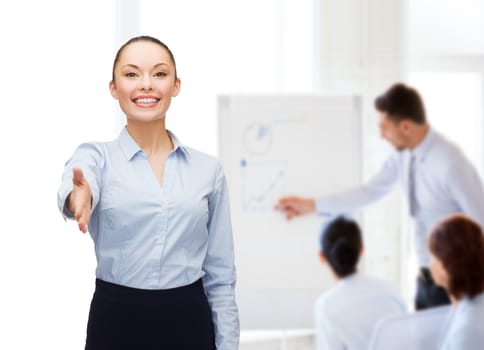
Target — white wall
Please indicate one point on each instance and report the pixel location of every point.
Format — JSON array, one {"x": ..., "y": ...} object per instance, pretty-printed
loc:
[{"x": 56, "y": 62}]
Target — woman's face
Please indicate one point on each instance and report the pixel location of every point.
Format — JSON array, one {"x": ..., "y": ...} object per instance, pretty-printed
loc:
[
  {"x": 438, "y": 271},
  {"x": 144, "y": 81}
]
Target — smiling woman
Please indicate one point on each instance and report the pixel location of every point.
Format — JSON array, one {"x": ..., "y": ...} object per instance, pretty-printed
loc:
[
  {"x": 158, "y": 214},
  {"x": 144, "y": 85}
]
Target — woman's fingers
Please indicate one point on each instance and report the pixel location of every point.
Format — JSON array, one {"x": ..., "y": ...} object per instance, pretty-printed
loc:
[{"x": 81, "y": 199}]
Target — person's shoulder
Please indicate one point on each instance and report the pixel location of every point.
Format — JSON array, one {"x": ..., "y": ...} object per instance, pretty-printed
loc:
[
  {"x": 322, "y": 299},
  {"x": 444, "y": 148},
  {"x": 201, "y": 158},
  {"x": 377, "y": 286},
  {"x": 334, "y": 297},
  {"x": 98, "y": 150},
  {"x": 475, "y": 309},
  {"x": 467, "y": 329},
  {"x": 94, "y": 146},
  {"x": 193, "y": 152},
  {"x": 325, "y": 302},
  {"x": 449, "y": 157},
  {"x": 369, "y": 279}
]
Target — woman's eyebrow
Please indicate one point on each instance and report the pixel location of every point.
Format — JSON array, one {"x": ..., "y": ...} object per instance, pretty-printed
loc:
[
  {"x": 160, "y": 64},
  {"x": 131, "y": 65},
  {"x": 155, "y": 66}
]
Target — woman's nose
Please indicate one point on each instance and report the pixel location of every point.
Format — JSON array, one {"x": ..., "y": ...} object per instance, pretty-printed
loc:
[{"x": 146, "y": 83}]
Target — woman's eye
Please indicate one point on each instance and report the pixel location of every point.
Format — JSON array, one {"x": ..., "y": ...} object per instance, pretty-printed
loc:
[
  {"x": 160, "y": 74},
  {"x": 130, "y": 75}
]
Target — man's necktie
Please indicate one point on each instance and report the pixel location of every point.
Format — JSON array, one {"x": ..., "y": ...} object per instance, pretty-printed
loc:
[{"x": 411, "y": 186}]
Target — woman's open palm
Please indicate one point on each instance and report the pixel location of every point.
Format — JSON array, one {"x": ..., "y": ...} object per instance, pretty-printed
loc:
[{"x": 80, "y": 199}]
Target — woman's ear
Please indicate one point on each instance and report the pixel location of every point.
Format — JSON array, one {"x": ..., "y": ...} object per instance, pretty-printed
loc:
[
  {"x": 177, "y": 87},
  {"x": 362, "y": 250},
  {"x": 112, "y": 89},
  {"x": 322, "y": 258}
]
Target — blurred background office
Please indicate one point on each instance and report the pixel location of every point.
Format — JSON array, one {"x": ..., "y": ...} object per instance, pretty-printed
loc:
[{"x": 56, "y": 65}]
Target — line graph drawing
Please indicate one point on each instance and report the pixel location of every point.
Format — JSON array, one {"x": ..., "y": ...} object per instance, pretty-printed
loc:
[
  {"x": 259, "y": 183},
  {"x": 262, "y": 170}
]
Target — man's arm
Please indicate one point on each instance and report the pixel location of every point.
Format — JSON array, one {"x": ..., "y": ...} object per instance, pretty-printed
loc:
[{"x": 347, "y": 201}]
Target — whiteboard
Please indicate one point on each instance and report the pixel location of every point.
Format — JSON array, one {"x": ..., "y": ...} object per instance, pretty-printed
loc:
[{"x": 272, "y": 146}]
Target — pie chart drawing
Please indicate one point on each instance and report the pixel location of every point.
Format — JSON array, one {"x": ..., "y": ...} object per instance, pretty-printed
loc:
[{"x": 257, "y": 138}]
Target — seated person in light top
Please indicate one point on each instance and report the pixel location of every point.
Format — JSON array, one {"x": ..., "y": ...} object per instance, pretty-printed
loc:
[
  {"x": 457, "y": 264},
  {"x": 347, "y": 313}
]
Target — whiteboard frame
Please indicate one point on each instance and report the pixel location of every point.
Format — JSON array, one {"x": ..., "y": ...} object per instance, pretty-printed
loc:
[{"x": 291, "y": 307}]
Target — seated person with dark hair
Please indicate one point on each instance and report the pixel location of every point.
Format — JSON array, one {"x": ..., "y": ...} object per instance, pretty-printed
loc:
[
  {"x": 457, "y": 264},
  {"x": 347, "y": 313}
]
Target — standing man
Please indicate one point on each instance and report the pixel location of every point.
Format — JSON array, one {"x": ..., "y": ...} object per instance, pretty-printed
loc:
[{"x": 436, "y": 176}]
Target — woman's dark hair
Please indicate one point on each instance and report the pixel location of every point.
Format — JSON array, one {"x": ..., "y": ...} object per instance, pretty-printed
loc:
[
  {"x": 458, "y": 242},
  {"x": 402, "y": 102},
  {"x": 341, "y": 244},
  {"x": 143, "y": 38}
]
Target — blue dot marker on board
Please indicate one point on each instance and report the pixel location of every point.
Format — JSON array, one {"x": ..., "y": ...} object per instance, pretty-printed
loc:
[{"x": 243, "y": 163}]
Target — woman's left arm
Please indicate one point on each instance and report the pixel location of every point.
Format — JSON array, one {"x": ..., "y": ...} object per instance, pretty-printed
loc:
[{"x": 220, "y": 276}]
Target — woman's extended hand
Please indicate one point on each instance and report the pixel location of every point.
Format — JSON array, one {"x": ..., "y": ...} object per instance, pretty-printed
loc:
[{"x": 80, "y": 199}]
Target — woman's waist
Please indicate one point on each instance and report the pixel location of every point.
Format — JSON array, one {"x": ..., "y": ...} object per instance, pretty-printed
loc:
[{"x": 115, "y": 292}]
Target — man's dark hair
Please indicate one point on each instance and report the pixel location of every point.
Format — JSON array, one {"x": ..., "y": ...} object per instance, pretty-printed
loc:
[{"x": 402, "y": 102}]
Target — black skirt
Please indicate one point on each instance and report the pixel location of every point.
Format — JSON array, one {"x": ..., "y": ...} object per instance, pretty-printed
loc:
[{"x": 129, "y": 318}]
